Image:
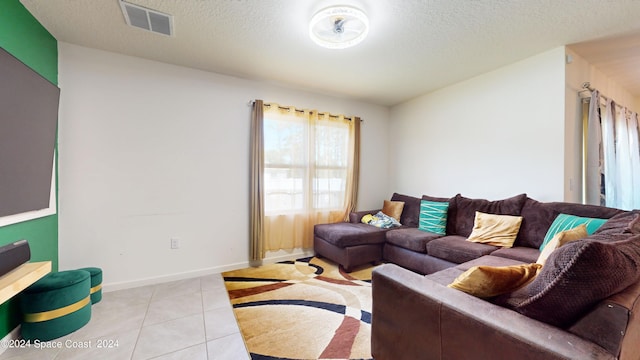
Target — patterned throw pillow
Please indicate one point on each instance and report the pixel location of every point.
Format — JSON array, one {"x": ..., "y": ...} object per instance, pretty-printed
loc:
[
  {"x": 380, "y": 220},
  {"x": 565, "y": 222},
  {"x": 433, "y": 216}
]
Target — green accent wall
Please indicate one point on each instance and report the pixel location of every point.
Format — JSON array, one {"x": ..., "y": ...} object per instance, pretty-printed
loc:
[{"x": 26, "y": 39}]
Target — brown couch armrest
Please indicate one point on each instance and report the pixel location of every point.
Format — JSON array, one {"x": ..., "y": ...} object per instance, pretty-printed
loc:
[
  {"x": 356, "y": 216},
  {"x": 614, "y": 323},
  {"x": 405, "y": 324},
  {"x": 415, "y": 317}
]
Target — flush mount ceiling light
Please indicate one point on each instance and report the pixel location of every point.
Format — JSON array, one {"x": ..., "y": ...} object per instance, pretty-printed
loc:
[{"x": 338, "y": 27}]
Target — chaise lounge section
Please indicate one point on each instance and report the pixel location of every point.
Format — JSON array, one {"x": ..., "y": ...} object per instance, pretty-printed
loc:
[
  {"x": 354, "y": 243},
  {"x": 349, "y": 244}
]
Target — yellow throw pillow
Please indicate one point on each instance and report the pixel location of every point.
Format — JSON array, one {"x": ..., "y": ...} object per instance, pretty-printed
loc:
[
  {"x": 561, "y": 238},
  {"x": 490, "y": 281},
  {"x": 393, "y": 208},
  {"x": 497, "y": 230},
  {"x": 367, "y": 218}
]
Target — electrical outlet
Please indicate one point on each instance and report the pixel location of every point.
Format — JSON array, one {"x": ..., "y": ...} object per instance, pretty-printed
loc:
[{"x": 175, "y": 243}]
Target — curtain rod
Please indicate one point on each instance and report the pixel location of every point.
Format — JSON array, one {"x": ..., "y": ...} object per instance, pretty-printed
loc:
[
  {"x": 586, "y": 86},
  {"x": 349, "y": 118}
]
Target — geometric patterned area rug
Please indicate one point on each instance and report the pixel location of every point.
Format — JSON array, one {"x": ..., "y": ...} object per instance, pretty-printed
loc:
[{"x": 304, "y": 309}]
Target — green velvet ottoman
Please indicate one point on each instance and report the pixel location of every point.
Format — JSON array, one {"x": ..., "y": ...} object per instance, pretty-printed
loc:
[
  {"x": 96, "y": 283},
  {"x": 56, "y": 305}
]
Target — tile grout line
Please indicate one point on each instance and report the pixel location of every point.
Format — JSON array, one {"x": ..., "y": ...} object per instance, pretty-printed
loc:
[
  {"x": 204, "y": 321},
  {"x": 135, "y": 346},
  {"x": 203, "y": 324}
]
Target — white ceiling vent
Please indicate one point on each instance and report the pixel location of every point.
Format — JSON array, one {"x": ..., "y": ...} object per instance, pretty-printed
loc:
[{"x": 147, "y": 19}]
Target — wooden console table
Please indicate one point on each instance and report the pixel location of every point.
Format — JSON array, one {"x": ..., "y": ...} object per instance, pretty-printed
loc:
[{"x": 21, "y": 277}]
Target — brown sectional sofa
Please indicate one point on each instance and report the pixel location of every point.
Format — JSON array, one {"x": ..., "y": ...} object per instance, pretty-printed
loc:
[{"x": 582, "y": 305}]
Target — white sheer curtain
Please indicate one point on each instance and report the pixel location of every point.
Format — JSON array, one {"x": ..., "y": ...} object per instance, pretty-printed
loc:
[
  {"x": 634, "y": 143},
  {"x": 624, "y": 177},
  {"x": 612, "y": 155},
  {"x": 594, "y": 153},
  {"x": 609, "y": 153}
]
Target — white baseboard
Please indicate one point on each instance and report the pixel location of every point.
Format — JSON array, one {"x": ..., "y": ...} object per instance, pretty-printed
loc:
[
  {"x": 270, "y": 259},
  {"x": 173, "y": 277}
]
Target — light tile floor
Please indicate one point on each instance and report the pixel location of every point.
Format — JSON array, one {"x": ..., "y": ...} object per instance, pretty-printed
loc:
[{"x": 186, "y": 319}]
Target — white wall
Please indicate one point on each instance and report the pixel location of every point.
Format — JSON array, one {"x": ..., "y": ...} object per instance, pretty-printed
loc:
[
  {"x": 493, "y": 136},
  {"x": 150, "y": 151}
]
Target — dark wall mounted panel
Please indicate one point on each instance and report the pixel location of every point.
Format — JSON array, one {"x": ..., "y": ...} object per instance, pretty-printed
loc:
[{"x": 28, "y": 124}]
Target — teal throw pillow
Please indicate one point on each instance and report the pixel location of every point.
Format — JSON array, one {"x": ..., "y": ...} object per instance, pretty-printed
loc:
[
  {"x": 433, "y": 216},
  {"x": 565, "y": 222}
]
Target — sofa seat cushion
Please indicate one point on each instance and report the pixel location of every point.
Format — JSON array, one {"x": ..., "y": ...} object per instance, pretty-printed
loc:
[
  {"x": 446, "y": 276},
  {"x": 348, "y": 234},
  {"x": 457, "y": 249},
  {"x": 576, "y": 277},
  {"x": 522, "y": 253},
  {"x": 411, "y": 238},
  {"x": 488, "y": 260}
]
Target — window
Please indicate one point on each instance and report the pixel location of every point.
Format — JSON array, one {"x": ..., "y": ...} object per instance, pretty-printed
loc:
[
  {"x": 304, "y": 172},
  {"x": 305, "y": 163}
]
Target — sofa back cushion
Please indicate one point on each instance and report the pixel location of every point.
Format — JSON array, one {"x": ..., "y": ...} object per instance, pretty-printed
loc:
[
  {"x": 576, "y": 277},
  {"x": 626, "y": 222},
  {"x": 537, "y": 217},
  {"x": 584, "y": 210},
  {"x": 410, "y": 210},
  {"x": 466, "y": 210}
]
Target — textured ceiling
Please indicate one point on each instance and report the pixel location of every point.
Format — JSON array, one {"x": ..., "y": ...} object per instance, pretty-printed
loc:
[{"x": 413, "y": 47}]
